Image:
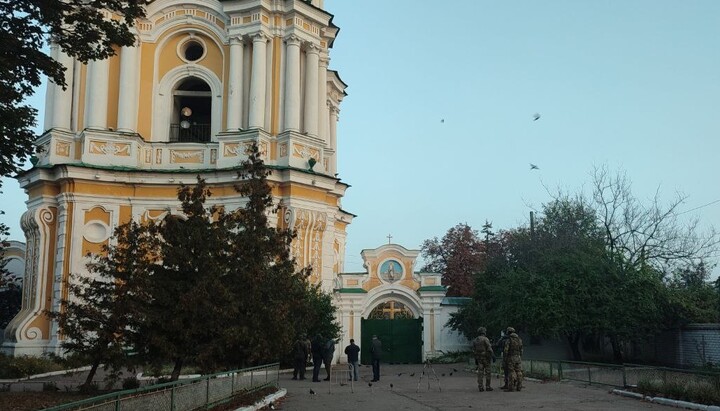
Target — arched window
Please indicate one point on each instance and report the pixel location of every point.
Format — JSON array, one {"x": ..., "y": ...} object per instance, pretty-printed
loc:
[
  {"x": 192, "y": 112},
  {"x": 391, "y": 310}
]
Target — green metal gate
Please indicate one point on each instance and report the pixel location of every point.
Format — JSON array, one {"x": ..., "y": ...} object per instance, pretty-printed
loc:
[{"x": 401, "y": 340}]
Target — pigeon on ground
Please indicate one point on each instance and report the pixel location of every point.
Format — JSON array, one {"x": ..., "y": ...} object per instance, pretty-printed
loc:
[
  {"x": 312, "y": 392},
  {"x": 412, "y": 375},
  {"x": 400, "y": 374},
  {"x": 443, "y": 374},
  {"x": 454, "y": 369},
  {"x": 271, "y": 406},
  {"x": 391, "y": 387},
  {"x": 369, "y": 384}
]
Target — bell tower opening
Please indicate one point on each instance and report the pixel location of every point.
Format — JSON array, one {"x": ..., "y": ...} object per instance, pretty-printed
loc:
[{"x": 192, "y": 112}]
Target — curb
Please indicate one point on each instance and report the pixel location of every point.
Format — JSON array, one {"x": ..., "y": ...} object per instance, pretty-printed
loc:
[
  {"x": 265, "y": 402},
  {"x": 667, "y": 401}
]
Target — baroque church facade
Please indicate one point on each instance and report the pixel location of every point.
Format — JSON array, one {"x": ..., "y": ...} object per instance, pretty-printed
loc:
[{"x": 204, "y": 81}]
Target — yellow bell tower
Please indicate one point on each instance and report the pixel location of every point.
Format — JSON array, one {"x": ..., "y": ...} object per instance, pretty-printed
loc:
[{"x": 204, "y": 81}]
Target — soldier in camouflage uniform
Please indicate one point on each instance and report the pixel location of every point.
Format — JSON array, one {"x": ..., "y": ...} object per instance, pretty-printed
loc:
[
  {"x": 483, "y": 354},
  {"x": 513, "y": 352},
  {"x": 500, "y": 346}
]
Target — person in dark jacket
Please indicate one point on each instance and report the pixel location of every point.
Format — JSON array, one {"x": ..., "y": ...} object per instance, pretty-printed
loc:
[
  {"x": 328, "y": 353},
  {"x": 376, "y": 352},
  {"x": 352, "y": 352},
  {"x": 317, "y": 356},
  {"x": 300, "y": 355}
]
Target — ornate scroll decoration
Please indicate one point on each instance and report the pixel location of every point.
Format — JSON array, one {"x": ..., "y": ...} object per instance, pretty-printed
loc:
[
  {"x": 109, "y": 148},
  {"x": 187, "y": 156},
  {"x": 62, "y": 148},
  {"x": 230, "y": 149},
  {"x": 302, "y": 151},
  {"x": 307, "y": 246}
]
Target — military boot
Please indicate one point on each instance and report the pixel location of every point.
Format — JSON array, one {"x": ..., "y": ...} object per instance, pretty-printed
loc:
[
  {"x": 487, "y": 385},
  {"x": 480, "y": 388}
]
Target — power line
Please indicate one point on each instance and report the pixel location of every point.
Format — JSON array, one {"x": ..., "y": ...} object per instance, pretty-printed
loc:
[{"x": 699, "y": 207}]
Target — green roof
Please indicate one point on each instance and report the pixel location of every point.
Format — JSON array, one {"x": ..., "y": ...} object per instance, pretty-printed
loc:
[
  {"x": 432, "y": 288},
  {"x": 352, "y": 291},
  {"x": 460, "y": 301}
]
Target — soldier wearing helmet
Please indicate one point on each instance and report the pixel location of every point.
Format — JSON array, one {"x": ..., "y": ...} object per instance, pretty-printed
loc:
[
  {"x": 483, "y": 355},
  {"x": 513, "y": 352}
]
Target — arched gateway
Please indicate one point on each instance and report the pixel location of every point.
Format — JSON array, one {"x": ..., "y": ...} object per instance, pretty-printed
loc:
[{"x": 407, "y": 310}]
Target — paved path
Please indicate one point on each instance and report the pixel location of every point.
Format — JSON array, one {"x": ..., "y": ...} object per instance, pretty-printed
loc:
[{"x": 459, "y": 391}]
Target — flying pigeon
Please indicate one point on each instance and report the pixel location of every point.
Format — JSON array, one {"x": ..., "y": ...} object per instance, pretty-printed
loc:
[
  {"x": 536, "y": 116},
  {"x": 534, "y": 167},
  {"x": 442, "y": 120},
  {"x": 312, "y": 392}
]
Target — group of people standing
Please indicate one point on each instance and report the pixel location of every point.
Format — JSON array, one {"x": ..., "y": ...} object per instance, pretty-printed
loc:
[
  {"x": 512, "y": 350},
  {"x": 321, "y": 351}
]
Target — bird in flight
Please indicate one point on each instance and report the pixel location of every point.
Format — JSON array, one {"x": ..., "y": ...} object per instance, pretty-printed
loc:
[
  {"x": 442, "y": 120},
  {"x": 534, "y": 167},
  {"x": 536, "y": 116}
]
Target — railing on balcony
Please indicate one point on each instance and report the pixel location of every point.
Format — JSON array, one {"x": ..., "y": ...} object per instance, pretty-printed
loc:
[{"x": 195, "y": 133}]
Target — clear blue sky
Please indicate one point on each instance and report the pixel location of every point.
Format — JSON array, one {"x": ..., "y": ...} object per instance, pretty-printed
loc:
[{"x": 631, "y": 84}]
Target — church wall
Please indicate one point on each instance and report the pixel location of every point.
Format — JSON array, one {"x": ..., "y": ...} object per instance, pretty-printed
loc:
[
  {"x": 113, "y": 89},
  {"x": 89, "y": 180}
]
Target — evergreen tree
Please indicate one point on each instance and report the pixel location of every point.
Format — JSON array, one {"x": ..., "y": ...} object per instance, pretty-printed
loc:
[
  {"x": 268, "y": 289},
  {"x": 102, "y": 311},
  {"x": 190, "y": 303}
]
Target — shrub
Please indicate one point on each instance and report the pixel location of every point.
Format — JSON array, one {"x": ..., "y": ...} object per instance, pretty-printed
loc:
[
  {"x": 674, "y": 389},
  {"x": 649, "y": 387},
  {"x": 130, "y": 383},
  {"x": 453, "y": 357},
  {"x": 703, "y": 394},
  {"x": 25, "y": 366},
  {"x": 50, "y": 386}
]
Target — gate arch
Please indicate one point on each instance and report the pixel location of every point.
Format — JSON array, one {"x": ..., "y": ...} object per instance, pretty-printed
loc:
[{"x": 396, "y": 320}]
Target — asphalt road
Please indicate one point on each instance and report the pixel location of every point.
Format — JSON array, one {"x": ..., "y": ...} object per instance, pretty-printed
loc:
[{"x": 448, "y": 392}]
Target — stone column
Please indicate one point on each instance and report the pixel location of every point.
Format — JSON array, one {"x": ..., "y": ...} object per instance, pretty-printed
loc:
[
  {"x": 59, "y": 111},
  {"x": 258, "y": 82},
  {"x": 334, "y": 112},
  {"x": 312, "y": 61},
  {"x": 235, "y": 85},
  {"x": 292, "y": 84},
  {"x": 96, "y": 94},
  {"x": 324, "y": 114},
  {"x": 129, "y": 88}
]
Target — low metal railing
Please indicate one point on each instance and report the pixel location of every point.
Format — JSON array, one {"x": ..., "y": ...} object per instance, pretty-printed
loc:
[
  {"x": 184, "y": 395},
  {"x": 616, "y": 375},
  {"x": 192, "y": 133}
]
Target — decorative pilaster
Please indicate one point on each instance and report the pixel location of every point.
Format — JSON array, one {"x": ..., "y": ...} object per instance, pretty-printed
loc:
[
  {"x": 292, "y": 84},
  {"x": 129, "y": 88},
  {"x": 322, "y": 100},
  {"x": 258, "y": 81},
  {"x": 235, "y": 85},
  {"x": 312, "y": 57},
  {"x": 96, "y": 94}
]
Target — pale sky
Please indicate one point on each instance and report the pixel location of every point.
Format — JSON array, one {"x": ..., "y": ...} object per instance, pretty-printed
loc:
[{"x": 437, "y": 128}]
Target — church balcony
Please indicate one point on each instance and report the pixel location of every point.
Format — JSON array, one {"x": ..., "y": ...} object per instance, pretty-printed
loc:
[
  {"x": 190, "y": 133},
  {"x": 195, "y": 150}
]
